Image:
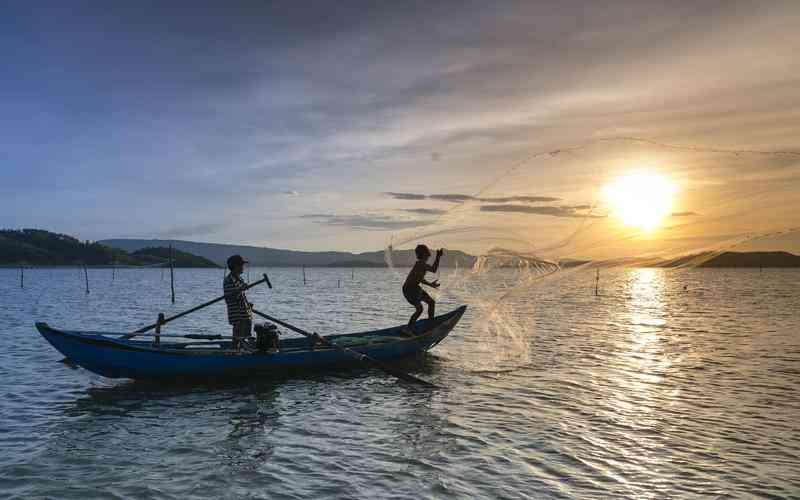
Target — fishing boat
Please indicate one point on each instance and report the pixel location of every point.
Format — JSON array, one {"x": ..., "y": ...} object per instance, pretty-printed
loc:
[{"x": 116, "y": 355}]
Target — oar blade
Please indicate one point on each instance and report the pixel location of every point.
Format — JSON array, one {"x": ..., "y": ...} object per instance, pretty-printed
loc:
[{"x": 407, "y": 377}]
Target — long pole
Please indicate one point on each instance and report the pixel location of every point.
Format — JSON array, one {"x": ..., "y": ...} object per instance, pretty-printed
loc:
[
  {"x": 22, "y": 276},
  {"x": 356, "y": 355},
  {"x": 86, "y": 275},
  {"x": 113, "y": 270},
  {"x": 189, "y": 311},
  {"x": 304, "y": 275},
  {"x": 172, "y": 274}
]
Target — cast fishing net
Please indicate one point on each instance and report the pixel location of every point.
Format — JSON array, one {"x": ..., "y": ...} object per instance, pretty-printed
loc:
[{"x": 574, "y": 211}]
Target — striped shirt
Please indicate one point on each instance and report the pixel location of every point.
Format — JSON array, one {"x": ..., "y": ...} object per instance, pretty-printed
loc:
[{"x": 238, "y": 306}]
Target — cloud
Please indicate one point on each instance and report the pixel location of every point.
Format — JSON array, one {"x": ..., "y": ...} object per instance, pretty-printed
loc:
[
  {"x": 367, "y": 222},
  {"x": 523, "y": 199},
  {"x": 683, "y": 214},
  {"x": 407, "y": 196},
  {"x": 458, "y": 198},
  {"x": 451, "y": 197},
  {"x": 563, "y": 211},
  {"x": 425, "y": 211}
]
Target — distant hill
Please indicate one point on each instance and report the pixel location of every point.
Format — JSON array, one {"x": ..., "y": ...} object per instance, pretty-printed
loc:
[
  {"x": 37, "y": 247},
  {"x": 273, "y": 257},
  {"x": 155, "y": 255},
  {"x": 753, "y": 259},
  {"x": 735, "y": 259}
]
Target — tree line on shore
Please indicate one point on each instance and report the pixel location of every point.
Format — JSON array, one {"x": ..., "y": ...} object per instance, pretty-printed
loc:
[{"x": 37, "y": 247}]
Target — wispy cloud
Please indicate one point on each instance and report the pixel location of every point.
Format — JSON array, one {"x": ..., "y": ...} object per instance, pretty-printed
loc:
[
  {"x": 458, "y": 198},
  {"x": 369, "y": 222},
  {"x": 425, "y": 211},
  {"x": 522, "y": 199},
  {"x": 683, "y": 214},
  {"x": 560, "y": 211},
  {"x": 407, "y": 196}
]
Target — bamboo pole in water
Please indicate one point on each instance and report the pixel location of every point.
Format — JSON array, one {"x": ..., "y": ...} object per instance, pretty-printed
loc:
[
  {"x": 304, "y": 275},
  {"x": 596, "y": 282},
  {"x": 22, "y": 276},
  {"x": 86, "y": 276},
  {"x": 171, "y": 274}
]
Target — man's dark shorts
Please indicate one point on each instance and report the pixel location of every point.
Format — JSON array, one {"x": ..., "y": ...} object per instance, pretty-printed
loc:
[{"x": 242, "y": 329}]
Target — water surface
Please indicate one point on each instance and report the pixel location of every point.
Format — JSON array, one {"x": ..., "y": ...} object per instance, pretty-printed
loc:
[{"x": 670, "y": 383}]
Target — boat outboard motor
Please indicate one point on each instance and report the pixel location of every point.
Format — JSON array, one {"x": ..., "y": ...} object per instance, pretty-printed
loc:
[{"x": 266, "y": 337}]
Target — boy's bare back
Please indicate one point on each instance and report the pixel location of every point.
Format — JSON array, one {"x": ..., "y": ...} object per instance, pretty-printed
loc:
[{"x": 417, "y": 274}]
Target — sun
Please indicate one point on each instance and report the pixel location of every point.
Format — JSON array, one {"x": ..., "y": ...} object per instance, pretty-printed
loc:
[{"x": 641, "y": 199}]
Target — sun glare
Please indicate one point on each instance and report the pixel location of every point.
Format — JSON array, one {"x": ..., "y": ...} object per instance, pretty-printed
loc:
[{"x": 641, "y": 199}]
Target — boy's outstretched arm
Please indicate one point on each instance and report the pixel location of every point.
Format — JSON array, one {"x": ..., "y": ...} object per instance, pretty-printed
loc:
[{"x": 435, "y": 265}]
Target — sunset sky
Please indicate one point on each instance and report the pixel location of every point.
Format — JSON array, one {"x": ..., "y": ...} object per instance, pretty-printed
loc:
[{"x": 324, "y": 126}]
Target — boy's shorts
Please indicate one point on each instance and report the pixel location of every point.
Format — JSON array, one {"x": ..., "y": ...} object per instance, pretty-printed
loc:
[{"x": 415, "y": 294}]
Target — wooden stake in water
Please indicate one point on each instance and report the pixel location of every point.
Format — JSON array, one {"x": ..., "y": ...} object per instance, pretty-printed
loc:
[
  {"x": 172, "y": 274},
  {"x": 113, "y": 270},
  {"x": 304, "y": 275},
  {"x": 21, "y": 276},
  {"x": 86, "y": 276},
  {"x": 596, "y": 282}
]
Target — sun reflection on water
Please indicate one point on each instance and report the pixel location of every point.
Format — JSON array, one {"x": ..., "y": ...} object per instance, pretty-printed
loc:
[{"x": 638, "y": 368}]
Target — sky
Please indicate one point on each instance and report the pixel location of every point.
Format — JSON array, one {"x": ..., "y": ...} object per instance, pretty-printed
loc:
[{"x": 347, "y": 125}]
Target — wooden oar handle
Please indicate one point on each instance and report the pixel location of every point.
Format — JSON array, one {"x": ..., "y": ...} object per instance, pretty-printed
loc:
[
  {"x": 196, "y": 308},
  {"x": 355, "y": 354}
]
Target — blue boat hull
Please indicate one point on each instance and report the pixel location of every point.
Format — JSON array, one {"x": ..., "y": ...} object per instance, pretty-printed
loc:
[{"x": 106, "y": 354}]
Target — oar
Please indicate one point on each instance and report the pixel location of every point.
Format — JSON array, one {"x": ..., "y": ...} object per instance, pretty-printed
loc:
[
  {"x": 197, "y": 308},
  {"x": 193, "y": 336},
  {"x": 357, "y": 355}
]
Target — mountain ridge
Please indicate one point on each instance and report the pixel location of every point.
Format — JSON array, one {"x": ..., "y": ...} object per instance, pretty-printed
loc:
[{"x": 275, "y": 257}]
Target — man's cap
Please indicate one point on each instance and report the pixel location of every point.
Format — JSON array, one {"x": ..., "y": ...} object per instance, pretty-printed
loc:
[{"x": 236, "y": 260}]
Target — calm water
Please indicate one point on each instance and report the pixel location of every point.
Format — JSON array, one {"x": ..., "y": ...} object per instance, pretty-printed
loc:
[{"x": 669, "y": 384}]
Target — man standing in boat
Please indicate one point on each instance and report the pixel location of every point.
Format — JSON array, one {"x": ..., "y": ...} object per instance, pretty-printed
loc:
[{"x": 240, "y": 315}]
